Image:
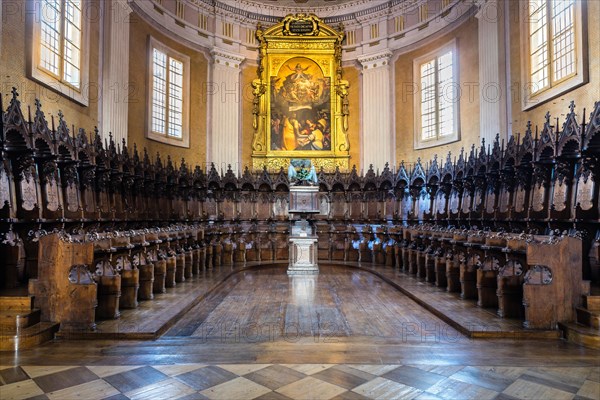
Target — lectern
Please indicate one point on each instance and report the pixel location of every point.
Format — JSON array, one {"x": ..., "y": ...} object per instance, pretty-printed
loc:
[{"x": 303, "y": 240}]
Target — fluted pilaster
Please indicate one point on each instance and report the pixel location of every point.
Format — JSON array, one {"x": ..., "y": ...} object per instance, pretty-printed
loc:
[
  {"x": 377, "y": 138},
  {"x": 493, "y": 91},
  {"x": 116, "y": 91},
  {"x": 225, "y": 99}
]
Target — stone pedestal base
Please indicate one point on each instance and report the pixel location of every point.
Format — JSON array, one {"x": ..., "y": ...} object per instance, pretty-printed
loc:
[{"x": 303, "y": 256}]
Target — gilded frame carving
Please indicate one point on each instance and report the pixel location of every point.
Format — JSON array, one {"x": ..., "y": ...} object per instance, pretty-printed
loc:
[{"x": 300, "y": 105}]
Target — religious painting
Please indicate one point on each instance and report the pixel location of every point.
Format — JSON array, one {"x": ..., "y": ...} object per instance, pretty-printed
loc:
[{"x": 300, "y": 105}]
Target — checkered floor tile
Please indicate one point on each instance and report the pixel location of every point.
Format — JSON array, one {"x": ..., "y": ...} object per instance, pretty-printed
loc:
[{"x": 297, "y": 381}]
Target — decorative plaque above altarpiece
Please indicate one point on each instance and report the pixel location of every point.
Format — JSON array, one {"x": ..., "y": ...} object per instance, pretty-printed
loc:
[{"x": 300, "y": 106}]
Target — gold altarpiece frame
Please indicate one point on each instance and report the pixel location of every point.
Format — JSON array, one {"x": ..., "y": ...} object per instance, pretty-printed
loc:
[{"x": 300, "y": 106}]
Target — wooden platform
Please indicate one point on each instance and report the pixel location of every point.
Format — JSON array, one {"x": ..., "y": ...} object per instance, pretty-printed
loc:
[
  {"x": 152, "y": 318},
  {"x": 202, "y": 294},
  {"x": 463, "y": 315}
]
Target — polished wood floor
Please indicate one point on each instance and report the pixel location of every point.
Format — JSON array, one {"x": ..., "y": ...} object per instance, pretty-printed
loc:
[
  {"x": 340, "y": 302},
  {"x": 352, "y": 332}
]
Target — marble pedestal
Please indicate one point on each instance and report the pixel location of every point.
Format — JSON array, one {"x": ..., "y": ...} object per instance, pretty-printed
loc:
[
  {"x": 303, "y": 240},
  {"x": 303, "y": 256}
]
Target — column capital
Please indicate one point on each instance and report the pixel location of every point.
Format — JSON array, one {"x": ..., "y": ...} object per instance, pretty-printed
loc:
[
  {"x": 225, "y": 58},
  {"x": 485, "y": 11},
  {"x": 124, "y": 5},
  {"x": 370, "y": 61}
]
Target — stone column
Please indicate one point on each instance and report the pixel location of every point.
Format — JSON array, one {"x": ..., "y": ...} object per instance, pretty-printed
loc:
[
  {"x": 224, "y": 94},
  {"x": 493, "y": 90},
  {"x": 116, "y": 92},
  {"x": 378, "y": 144}
]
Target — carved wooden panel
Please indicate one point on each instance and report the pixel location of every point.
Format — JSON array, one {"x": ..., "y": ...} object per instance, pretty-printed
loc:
[
  {"x": 263, "y": 207},
  {"x": 454, "y": 201},
  {"x": 52, "y": 195},
  {"x": 537, "y": 199},
  {"x": 559, "y": 197},
  {"x": 390, "y": 207},
  {"x": 210, "y": 208},
  {"x": 72, "y": 198},
  {"x": 585, "y": 193},
  {"x": 246, "y": 208},
  {"x": 477, "y": 200},
  {"x": 490, "y": 202},
  {"x": 520, "y": 199},
  {"x": 355, "y": 207},
  {"x": 466, "y": 202},
  {"x": 440, "y": 203},
  {"x": 28, "y": 193},
  {"x": 338, "y": 205},
  {"x": 504, "y": 200}
]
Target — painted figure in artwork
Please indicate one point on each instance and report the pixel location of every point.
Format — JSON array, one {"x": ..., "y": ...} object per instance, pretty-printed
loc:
[{"x": 300, "y": 107}]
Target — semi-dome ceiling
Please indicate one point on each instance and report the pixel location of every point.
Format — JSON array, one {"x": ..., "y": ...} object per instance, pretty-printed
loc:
[{"x": 371, "y": 26}]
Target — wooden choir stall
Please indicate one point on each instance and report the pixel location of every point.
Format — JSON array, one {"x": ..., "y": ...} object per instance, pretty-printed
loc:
[{"x": 92, "y": 227}]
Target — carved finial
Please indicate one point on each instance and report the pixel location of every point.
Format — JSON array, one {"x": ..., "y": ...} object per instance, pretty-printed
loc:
[
  {"x": 14, "y": 92},
  {"x": 38, "y": 104},
  {"x": 547, "y": 116},
  {"x": 572, "y": 105}
]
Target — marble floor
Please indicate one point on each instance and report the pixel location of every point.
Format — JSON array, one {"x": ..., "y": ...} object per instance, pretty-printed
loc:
[{"x": 298, "y": 381}]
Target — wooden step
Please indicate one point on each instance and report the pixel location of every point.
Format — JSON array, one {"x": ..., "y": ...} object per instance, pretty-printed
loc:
[
  {"x": 579, "y": 334},
  {"x": 588, "y": 318},
  {"x": 16, "y": 302},
  {"x": 16, "y": 320},
  {"x": 591, "y": 302},
  {"x": 29, "y": 337}
]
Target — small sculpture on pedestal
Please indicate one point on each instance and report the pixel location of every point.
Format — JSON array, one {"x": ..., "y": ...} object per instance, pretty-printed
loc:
[{"x": 302, "y": 173}]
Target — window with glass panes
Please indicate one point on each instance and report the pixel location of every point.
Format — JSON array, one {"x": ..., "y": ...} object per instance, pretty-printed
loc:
[
  {"x": 60, "y": 41},
  {"x": 167, "y": 95},
  {"x": 552, "y": 27},
  {"x": 437, "y": 100}
]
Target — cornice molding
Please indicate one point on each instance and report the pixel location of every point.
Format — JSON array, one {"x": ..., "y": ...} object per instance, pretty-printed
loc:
[{"x": 213, "y": 13}]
